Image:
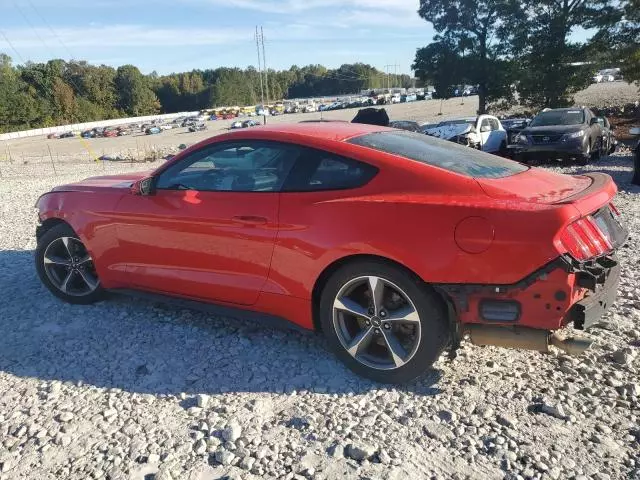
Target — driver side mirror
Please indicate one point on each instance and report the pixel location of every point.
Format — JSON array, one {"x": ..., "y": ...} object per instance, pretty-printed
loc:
[
  {"x": 594, "y": 120},
  {"x": 143, "y": 187}
]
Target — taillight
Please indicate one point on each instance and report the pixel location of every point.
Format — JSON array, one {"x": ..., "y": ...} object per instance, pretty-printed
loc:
[
  {"x": 583, "y": 239},
  {"x": 614, "y": 209}
]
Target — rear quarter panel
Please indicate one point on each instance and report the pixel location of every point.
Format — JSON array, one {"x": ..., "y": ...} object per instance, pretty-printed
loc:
[{"x": 409, "y": 214}]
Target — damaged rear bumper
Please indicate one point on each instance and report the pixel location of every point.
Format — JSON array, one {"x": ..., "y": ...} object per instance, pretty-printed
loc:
[{"x": 603, "y": 290}]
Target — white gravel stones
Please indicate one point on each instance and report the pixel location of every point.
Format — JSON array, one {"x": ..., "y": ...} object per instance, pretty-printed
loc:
[
  {"x": 360, "y": 451},
  {"x": 131, "y": 387},
  {"x": 65, "y": 417}
]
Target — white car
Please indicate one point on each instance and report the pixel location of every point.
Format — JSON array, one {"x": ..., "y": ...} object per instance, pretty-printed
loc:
[
  {"x": 396, "y": 98},
  {"x": 484, "y": 132}
]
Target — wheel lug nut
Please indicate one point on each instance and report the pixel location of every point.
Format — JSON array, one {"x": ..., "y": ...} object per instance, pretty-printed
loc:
[
  {"x": 383, "y": 313},
  {"x": 387, "y": 326},
  {"x": 377, "y": 330},
  {"x": 368, "y": 322}
]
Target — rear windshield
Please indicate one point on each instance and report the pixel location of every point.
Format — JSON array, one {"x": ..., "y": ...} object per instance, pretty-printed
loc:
[
  {"x": 558, "y": 117},
  {"x": 440, "y": 153}
]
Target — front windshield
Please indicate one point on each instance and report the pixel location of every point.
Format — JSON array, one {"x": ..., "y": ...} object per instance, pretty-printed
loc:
[{"x": 558, "y": 117}]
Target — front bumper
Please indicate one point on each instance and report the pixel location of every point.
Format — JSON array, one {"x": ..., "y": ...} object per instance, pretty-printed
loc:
[{"x": 561, "y": 149}]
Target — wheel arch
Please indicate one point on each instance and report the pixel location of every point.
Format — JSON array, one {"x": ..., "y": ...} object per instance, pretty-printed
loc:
[
  {"x": 48, "y": 224},
  {"x": 330, "y": 269}
]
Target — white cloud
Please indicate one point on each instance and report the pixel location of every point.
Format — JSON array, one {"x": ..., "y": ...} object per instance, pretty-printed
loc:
[{"x": 123, "y": 36}]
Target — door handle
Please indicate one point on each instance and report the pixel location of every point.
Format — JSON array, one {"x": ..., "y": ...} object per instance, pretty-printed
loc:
[{"x": 250, "y": 220}]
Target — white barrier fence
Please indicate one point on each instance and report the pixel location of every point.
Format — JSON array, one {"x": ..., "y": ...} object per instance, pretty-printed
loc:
[{"x": 89, "y": 125}]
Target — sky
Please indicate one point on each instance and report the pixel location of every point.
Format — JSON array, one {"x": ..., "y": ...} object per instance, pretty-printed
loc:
[{"x": 180, "y": 35}]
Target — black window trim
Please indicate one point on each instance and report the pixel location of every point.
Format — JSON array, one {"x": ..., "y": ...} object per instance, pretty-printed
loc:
[
  {"x": 318, "y": 151},
  {"x": 283, "y": 188}
]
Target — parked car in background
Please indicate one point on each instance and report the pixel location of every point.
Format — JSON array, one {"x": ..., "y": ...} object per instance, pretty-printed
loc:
[
  {"x": 285, "y": 222},
  {"x": 197, "y": 127},
  {"x": 406, "y": 125},
  {"x": 250, "y": 123},
  {"x": 88, "y": 134},
  {"x": 561, "y": 133},
  {"x": 67, "y": 135},
  {"x": 484, "y": 132},
  {"x": 609, "y": 140},
  {"x": 237, "y": 124},
  {"x": 514, "y": 126},
  {"x": 153, "y": 130},
  {"x": 213, "y": 117},
  {"x": 53, "y": 135}
]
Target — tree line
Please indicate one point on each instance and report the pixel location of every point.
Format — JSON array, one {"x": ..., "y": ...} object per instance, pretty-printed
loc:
[
  {"x": 520, "y": 51},
  {"x": 57, "y": 92}
]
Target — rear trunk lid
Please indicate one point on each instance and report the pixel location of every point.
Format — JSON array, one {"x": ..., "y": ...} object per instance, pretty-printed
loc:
[{"x": 587, "y": 192}]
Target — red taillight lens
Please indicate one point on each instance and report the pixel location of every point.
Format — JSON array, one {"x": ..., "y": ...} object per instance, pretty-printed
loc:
[
  {"x": 583, "y": 239},
  {"x": 614, "y": 209}
]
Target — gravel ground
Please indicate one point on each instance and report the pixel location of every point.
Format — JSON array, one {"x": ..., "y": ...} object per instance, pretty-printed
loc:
[
  {"x": 609, "y": 93},
  {"x": 131, "y": 389}
]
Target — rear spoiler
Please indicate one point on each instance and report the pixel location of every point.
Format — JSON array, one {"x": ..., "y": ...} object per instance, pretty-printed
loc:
[{"x": 595, "y": 196}]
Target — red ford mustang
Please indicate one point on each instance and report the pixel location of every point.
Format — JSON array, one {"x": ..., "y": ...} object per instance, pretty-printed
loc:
[{"x": 394, "y": 244}]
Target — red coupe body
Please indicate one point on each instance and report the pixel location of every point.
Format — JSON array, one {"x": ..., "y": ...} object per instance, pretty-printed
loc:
[{"x": 474, "y": 236}]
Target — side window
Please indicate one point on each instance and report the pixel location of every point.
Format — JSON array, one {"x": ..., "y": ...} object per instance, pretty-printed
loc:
[
  {"x": 485, "y": 123},
  {"x": 317, "y": 170},
  {"x": 494, "y": 124},
  {"x": 248, "y": 166}
]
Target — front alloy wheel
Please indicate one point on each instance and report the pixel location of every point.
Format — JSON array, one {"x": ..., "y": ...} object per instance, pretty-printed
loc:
[
  {"x": 69, "y": 267},
  {"x": 66, "y": 268}
]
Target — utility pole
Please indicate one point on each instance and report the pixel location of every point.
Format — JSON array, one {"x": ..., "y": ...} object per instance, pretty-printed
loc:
[
  {"x": 266, "y": 71},
  {"x": 259, "y": 67},
  {"x": 387, "y": 69}
]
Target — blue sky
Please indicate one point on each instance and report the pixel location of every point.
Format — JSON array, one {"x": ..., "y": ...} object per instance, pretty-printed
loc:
[{"x": 179, "y": 35}]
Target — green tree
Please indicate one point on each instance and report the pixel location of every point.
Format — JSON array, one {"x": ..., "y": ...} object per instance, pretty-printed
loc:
[
  {"x": 550, "y": 71},
  {"x": 620, "y": 42},
  {"x": 135, "y": 98},
  {"x": 476, "y": 30}
]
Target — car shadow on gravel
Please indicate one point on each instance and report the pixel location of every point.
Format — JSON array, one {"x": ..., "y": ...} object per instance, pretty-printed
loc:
[{"x": 144, "y": 347}]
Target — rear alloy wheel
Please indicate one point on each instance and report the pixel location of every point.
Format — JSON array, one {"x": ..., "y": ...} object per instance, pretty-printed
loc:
[
  {"x": 382, "y": 322},
  {"x": 66, "y": 267}
]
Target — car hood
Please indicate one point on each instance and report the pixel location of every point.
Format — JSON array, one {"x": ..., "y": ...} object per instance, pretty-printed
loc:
[
  {"x": 124, "y": 181},
  {"x": 449, "y": 131},
  {"x": 535, "y": 185},
  {"x": 552, "y": 129}
]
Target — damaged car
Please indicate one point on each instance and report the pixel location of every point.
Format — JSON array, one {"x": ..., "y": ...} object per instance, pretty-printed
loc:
[
  {"x": 284, "y": 222},
  {"x": 484, "y": 132}
]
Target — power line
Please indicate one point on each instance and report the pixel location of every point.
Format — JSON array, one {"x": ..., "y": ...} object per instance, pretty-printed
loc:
[
  {"x": 71, "y": 56},
  {"x": 12, "y": 47}
]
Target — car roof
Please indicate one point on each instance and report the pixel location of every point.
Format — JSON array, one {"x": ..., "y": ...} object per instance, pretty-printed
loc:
[{"x": 336, "y": 131}]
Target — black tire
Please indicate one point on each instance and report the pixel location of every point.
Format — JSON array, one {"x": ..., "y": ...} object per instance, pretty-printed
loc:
[
  {"x": 55, "y": 233},
  {"x": 596, "y": 151},
  {"x": 503, "y": 152},
  {"x": 585, "y": 157},
  {"x": 432, "y": 311}
]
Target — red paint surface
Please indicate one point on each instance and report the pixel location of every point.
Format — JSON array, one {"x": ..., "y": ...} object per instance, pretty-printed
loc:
[{"x": 200, "y": 245}]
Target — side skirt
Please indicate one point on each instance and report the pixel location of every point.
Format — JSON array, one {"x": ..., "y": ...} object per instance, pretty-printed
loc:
[{"x": 257, "y": 318}]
